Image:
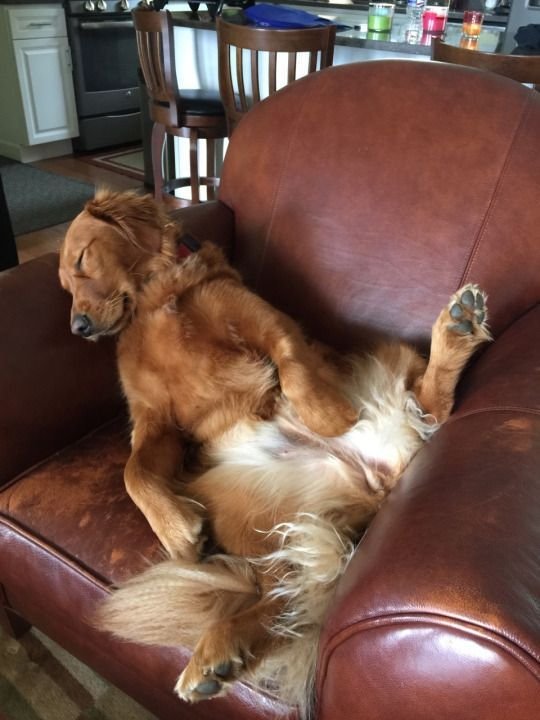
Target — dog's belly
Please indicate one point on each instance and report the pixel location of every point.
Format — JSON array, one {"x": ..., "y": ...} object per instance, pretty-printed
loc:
[{"x": 268, "y": 473}]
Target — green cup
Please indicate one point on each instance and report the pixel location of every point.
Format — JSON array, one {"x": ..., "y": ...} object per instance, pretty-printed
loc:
[{"x": 380, "y": 17}]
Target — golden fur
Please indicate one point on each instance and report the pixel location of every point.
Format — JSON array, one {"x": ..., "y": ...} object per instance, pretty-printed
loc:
[{"x": 298, "y": 446}]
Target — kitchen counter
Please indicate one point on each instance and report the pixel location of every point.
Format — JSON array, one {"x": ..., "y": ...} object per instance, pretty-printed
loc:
[{"x": 357, "y": 36}]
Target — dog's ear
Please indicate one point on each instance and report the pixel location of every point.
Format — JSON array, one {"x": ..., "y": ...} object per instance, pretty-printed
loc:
[{"x": 140, "y": 220}]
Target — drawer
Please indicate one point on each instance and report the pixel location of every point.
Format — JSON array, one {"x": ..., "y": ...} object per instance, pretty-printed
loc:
[{"x": 36, "y": 21}]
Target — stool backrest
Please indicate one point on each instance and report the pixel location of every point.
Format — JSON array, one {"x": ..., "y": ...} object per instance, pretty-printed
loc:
[
  {"x": 155, "y": 45},
  {"x": 244, "y": 79},
  {"x": 523, "y": 68}
]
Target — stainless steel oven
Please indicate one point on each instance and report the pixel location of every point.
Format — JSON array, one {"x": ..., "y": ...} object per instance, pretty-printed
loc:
[{"x": 104, "y": 51}]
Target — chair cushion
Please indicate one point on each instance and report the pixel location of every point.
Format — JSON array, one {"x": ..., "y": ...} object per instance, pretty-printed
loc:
[
  {"x": 200, "y": 102},
  {"x": 68, "y": 529}
]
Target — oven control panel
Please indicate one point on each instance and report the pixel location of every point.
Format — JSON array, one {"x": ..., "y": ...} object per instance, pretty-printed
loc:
[{"x": 102, "y": 7}]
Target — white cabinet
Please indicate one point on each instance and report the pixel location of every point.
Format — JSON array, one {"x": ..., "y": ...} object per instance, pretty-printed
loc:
[
  {"x": 36, "y": 84},
  {"x": 46, "y": 83}
]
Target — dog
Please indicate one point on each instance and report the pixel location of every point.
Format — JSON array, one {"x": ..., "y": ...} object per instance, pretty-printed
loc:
[{"x": 297, "y": 446}]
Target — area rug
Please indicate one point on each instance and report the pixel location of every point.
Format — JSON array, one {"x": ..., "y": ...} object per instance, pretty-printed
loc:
[
  {"x": 41, "y": 681},
  {"x": 128, "y": 162},
  {"x": 37, "y": 199}
]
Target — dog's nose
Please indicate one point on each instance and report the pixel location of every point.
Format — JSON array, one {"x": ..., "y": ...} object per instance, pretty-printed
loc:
[{"x": 81, "y": 325}]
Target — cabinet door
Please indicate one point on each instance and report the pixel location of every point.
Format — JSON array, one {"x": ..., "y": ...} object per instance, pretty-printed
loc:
[{"x": 46, "y": 82}]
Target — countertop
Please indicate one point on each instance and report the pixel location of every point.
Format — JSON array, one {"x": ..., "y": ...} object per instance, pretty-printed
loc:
[
  {"x": 499, "y": 17},
  {"x": 355, "y": 16}
]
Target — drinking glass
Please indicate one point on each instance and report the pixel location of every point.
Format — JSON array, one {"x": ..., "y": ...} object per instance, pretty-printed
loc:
[
  {"x": 380, "y": 16},
  {"x": 434, "y": 18},
  {"x": 472, "y": 23}
]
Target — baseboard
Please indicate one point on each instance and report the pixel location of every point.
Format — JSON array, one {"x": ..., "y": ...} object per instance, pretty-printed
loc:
[{"x": 33, "y": 153}]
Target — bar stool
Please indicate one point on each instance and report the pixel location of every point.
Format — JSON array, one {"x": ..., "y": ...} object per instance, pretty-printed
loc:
[
  {"x": 242, "y": 84},
  {"x": 194, "y": 114},
  {"x": 523, "y": 68}
]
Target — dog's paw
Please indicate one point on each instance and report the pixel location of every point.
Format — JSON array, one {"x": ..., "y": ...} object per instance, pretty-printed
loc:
[
  {"x": 203, "y": 679},
  {"x": 327, "y": 413},
  {"x": 179, "y": 528},
  {"x": 468, "y": 312},
  {"x": 321, "y": 406}
]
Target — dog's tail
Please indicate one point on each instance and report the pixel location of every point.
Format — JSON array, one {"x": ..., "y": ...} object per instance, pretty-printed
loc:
[
  {"x": 316, "y": 554},
  {"x": 174, "y": 602}
]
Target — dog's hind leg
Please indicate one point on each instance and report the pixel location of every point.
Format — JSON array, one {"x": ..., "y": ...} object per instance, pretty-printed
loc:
[
  {"x": 231, "y": 648},
  {"x": 460, "y": 328}
]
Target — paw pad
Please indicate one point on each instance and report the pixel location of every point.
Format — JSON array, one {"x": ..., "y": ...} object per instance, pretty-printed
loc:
[
  {"x": 208, "y": 687},
  {"x": 200, "y": 683},
  {"x": 468, "y": 309}
]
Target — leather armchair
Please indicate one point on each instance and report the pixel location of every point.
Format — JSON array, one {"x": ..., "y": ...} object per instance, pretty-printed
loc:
[{"x": 357, "y": 199}]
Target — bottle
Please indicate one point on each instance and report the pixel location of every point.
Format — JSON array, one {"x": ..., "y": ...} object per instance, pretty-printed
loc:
[
  {"x": 415, "y": 8},
  {"x": 413, "y": 30}
]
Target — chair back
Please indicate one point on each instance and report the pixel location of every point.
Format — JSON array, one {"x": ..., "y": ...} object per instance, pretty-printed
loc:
[
  {"x": 155, "y": 45},
  {"x": 523, "y": 68},
  {"x": 357, "y": 211},
  {"x": 250, "y": 67}
]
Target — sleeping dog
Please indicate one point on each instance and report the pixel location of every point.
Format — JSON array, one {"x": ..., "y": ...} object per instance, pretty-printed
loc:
[{"x": 298, "y": 446}]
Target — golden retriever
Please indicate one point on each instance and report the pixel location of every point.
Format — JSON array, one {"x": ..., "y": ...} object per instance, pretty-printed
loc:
[{"x": 298, "y": 447}]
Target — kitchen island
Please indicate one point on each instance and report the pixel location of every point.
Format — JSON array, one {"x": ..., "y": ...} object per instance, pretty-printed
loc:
[
  {"x": 197, "y": 48},
  {"x": 197, "y": 52},
  {"x": 353, "y": 15}
]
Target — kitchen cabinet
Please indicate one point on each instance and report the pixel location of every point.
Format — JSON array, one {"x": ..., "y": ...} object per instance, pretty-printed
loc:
[{"x": 36, "y": 86}]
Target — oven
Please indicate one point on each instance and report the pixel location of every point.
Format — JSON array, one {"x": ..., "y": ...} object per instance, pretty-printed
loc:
[{"x": 105, "y": 61}]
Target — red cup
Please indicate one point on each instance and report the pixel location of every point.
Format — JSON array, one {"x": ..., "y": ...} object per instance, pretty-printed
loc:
[{"x": 434, "y": 19}]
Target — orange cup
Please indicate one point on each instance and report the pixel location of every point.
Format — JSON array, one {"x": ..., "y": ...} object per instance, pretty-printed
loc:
[{"x": 472, "y": 23}]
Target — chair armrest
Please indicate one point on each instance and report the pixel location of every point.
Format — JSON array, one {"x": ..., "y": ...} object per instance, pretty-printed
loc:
[
  {"x": 212, "y": 221},
  {"x": 437, "y": 614},
  {"x": 54, "y": 387}
]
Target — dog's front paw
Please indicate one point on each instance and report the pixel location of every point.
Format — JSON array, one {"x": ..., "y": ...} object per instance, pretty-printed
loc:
[
  {"x": 327, "y": 413},
  {"x": 179, "y": 528},
  {"x": 468, "y": 312},
  {"x": 322, "y": 407}
]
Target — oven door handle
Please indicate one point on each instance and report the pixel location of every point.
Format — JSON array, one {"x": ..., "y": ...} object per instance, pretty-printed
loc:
[{"x": 105, "y": 24}]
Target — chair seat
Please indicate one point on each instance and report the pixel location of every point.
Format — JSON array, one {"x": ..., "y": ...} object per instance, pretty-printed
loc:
[{"x": 200, "y": 102}]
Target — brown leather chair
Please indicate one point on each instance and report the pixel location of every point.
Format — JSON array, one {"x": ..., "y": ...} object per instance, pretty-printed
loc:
[
  {"x": 194, "y": 114},
  {"x": 244, "y": 81},
  {"x": 356, "y": 232},
  {"x": 523, "y": 68}
]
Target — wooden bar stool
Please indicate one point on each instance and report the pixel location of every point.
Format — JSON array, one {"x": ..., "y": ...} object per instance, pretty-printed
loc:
[
  {"x": 523, "y": 68},
  {"x": 243, "y": 83},
  {"x": 194, "y": 114}
]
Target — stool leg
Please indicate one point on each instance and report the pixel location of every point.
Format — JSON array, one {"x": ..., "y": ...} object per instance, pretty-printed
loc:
[
  {"x": 194, "y": 166},
  {"x": 211, "y": 169},
  {"x": 158, "y": 139}
]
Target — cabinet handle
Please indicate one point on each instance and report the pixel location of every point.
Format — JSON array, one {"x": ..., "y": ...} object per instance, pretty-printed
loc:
[
  {"x": 39, "y": 24},
  {"x": 68, "y": 58},
  {"x": 106, "y": 25}
]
